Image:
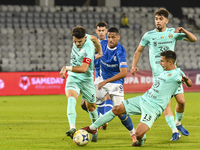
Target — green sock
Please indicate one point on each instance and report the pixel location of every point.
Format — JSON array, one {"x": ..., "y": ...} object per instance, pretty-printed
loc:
[
  {"x": 170, "y": 121},
  {"x": 71, "y": 111},
  {"x": 141, "y": 141},
  {"x": 107, "y": 117},
  {"x": 179, "y": 116},
  {"x": 93, "y": 115}
]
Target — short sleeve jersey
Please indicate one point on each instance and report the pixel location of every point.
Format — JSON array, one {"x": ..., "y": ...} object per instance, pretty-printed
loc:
[
  {"x": 112, "y": 60},
  {"x": 77, "y": 55},
  {"x": 159, "y": 42},
  {"x": 163, "y": 88}
]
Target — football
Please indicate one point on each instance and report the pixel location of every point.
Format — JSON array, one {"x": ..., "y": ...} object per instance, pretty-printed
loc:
[{"x": 81, "y": 137}]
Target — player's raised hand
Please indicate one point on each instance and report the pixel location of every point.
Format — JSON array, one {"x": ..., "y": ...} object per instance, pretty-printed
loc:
[
  {"x": 179, "y": 30},
  {"x": 187, "y": 81},
  {"x": 62, "y": 72},
  {"x": 134, "y": 70}
]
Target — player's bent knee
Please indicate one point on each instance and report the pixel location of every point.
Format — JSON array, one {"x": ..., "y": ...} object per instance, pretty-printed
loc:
[{"x": 118, "y": 110}]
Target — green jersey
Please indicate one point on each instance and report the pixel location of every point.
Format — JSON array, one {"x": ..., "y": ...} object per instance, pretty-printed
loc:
[
  {"x": 77, "y": 55},
  {"x": 163, "y": 88},
  {"x": 159, "y": 42}
]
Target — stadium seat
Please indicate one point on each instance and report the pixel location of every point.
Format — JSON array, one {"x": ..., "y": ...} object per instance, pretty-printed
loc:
[{"x": 45, "y": 32}]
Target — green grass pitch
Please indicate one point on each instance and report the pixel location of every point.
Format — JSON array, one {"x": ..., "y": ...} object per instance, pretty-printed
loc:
[{"x": 40, "y": 123}]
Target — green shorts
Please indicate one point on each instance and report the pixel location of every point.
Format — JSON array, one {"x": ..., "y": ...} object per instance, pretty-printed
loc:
[
  {"x": 85, "y": 87},
  {"x": 138, "y": 106}
]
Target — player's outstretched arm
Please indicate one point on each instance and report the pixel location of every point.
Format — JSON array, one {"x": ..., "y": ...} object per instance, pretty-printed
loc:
[
  {"x": 121, "y": 74},
  {"x": 189, "y": 36},
  {"x": 187, "y": 81},
  {"x": 97, "y": 45},
  {"x": 136, "y": 58}
]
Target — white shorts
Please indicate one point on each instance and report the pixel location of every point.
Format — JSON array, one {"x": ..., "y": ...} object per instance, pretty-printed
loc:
[{"x": 115, "y": 91}]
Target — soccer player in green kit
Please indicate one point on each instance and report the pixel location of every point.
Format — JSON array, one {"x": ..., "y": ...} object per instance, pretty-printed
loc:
[
  {"x": 80, "y": 76},
  {"x": 152, "y": 103},
  {"x": 159, "y": 40}
]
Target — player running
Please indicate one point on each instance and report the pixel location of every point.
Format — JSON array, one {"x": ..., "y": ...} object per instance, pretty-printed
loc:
[
  {"x": 152, "y": 103},
  {"x": 113, "y": 71},
  {"x": 80, "y": 77},
  {"x": 159, "y": 40}
]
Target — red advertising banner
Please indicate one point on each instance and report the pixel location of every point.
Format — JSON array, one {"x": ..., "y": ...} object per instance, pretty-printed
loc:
[
  {"x": 31, "y": 83},
  {"x": 45, "y": 83},
  {"x": 144, "y": 80}
]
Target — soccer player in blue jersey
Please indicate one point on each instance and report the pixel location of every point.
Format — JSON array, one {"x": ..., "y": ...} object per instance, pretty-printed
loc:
[
  {"x": 152, "y": 103},
  {"x": 80, "y": 77},
  {"x": 107, "y": 104},
  {"x": 114, "y": 70},
  {"x": 159, "y": 40}
]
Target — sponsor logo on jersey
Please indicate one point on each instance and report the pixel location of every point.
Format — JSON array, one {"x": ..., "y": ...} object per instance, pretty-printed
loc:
[
  {"x": 162, "y": 37},
  {"x": 155, "y": 43},
  {"x": 167, "y": 42},
  {"x": 108, "y": 65}
]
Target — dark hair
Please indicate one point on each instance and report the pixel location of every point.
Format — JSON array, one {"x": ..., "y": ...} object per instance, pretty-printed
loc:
[
  {"x": 169, "y": 55},
  {"x": 162, "y": 11},
  {"x": 101, "y": 24},
  {"x": 113, "y": 29},
  {"x": 78, "y": 32}
]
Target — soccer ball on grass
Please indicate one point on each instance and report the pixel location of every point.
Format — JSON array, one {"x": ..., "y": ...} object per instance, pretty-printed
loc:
[{"x": 81, "y": 137}]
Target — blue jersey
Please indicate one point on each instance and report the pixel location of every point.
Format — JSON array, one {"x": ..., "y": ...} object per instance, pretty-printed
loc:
[
  {"x": 97, "y": 65},
  {"x": 163, "y": 88},
  {"x": 112, "y": 60}
]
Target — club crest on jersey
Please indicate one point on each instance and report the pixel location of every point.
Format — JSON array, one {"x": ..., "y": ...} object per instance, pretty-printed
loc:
[
  {"x": 115, "y": 58},
  {"x": 170, "y": 35},
  {"x": 169, "y": 75}
]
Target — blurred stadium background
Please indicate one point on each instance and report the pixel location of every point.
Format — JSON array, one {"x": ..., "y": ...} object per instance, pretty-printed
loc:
[
  {"x": 35, "y": 40},
  {"x": 35, "y": 34}
]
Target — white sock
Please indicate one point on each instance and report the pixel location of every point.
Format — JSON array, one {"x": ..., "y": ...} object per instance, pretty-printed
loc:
[
  {"x": 92, "y": 128},
  {"x": 175, "y": 130},
  {"x": 132, "y": 132},
  {"x": 177, "y": 123},
  {"x": 72, "y": 126}
]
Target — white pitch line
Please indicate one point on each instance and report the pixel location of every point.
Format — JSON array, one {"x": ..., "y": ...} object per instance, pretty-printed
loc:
[{"x": 79, "y": 122}]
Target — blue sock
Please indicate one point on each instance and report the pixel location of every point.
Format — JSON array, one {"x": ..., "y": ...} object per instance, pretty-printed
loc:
[
  {"x": 101, "y": 108},
  {"x": 126, "y": 121},
  {"x": 108, "y": 105}
]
